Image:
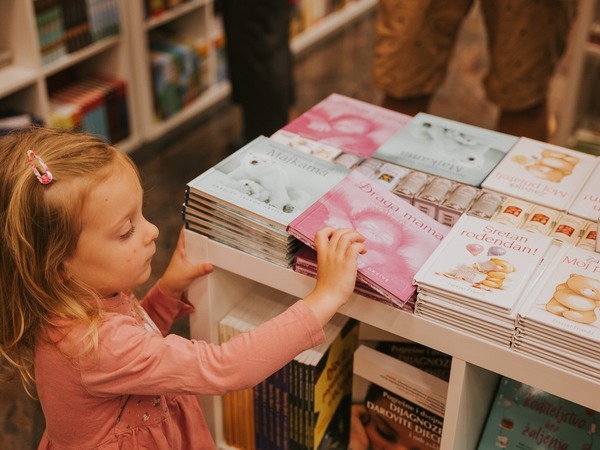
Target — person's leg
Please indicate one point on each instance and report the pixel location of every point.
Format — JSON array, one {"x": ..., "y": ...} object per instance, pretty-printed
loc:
[
  {"x": 260, "y": 63},
  {"x": 413, "y": 45},
  {"x": 526, "y": 41}
]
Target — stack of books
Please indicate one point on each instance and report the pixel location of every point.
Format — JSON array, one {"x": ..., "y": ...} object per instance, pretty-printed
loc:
[
  {"x": 541, "y": 173},
  {"x": 343, "y": 124},
  {"x": 305, "y": 263},
  {"x": 478, "y": 277},
  {"x": 523, "y": 417},
  {"x": 446, "y": 148},
  {"x": 247, "y": 200},
  {"x": 559, "y": 324},
  {"x": 399, "y": 237}
]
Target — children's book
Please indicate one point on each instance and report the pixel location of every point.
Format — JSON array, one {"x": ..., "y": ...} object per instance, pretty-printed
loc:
[
  {"x": 560, "y": 322},
  {"x": 523, "y": 417},
  {"x": 483, "y": 265},
  {"x": 587, "y": 202},
  {"x": 269, "y": 180},
  {"x": 446, "y": 148},
  {"x": 542, "y": 173},
  {"x": 395, "y": 404},
  {"x": 347, "y": 124},
  {"x": 399, "y": 237}
]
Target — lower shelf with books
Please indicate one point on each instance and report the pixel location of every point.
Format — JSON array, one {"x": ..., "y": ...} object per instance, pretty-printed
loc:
[{"x": 476, "y": 365}]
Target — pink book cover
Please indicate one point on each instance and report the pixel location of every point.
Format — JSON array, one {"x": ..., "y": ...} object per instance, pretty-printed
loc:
[
  {"x": 351, "y": 125},
  {"x": 399, "y": 237}
]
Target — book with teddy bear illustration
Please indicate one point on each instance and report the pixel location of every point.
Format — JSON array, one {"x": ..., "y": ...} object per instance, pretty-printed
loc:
[
  {"x": 250, "y": 197},
  {"x": 399, "y": 237},
  {"x": 541, "y": 173},
  {"x": 478, "y": 277},
  {"x": 446, "y": 148},
  {"x": 560, "y": 322}
]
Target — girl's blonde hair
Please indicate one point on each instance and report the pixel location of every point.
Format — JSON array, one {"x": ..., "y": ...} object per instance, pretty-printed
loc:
[{"x": 39, "y": 228}]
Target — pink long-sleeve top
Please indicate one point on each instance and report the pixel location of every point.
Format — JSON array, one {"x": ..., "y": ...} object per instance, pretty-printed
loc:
[{"x": 140, "y": 390}]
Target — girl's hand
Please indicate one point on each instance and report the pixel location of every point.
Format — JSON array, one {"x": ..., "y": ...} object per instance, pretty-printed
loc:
[
  {"x": 181, "y": 271},
  {"x": 337, "y": 261}
]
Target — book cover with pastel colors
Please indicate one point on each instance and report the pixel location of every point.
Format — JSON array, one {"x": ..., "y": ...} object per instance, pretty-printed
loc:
[
  {"x": 567, "y": 300},
  {"x": 483, "y": 265},
  {"x": 446, "y": 148},
  {"x": 348, "y": 124},
  {"x": 541, "y": 173},
  {"x": 399, "y": 237},
  {"x": 523, "y": 417},
  {"x": 587, "y": 202}
]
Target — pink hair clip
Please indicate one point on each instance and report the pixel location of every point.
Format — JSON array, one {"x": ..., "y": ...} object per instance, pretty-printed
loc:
[{"x": 39, "y": 167}]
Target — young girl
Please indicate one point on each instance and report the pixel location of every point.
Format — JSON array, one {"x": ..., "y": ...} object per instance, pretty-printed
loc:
[{"x": 74, "y": 243}]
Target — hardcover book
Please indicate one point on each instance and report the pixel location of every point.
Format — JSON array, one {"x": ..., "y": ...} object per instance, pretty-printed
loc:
[
  {"x": 542, "y": 173},
  {"x": 399, "y": 237},
  {"x": 348, "y": 124},
  {"x": 560, "y": 322},
  {"x": 483, "y": 265},
  {"x": 395, "y": 404},
  {"x": 587, "y": 202},
  {"x": 523, "y": 417},
  {"x": 446, "y": 148}
]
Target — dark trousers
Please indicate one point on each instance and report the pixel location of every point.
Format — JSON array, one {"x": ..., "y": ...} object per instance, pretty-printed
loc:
[{"x": 260, "y": 62}]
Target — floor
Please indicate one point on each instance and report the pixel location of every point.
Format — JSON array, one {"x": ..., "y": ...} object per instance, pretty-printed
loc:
[{"x": 341, "y": 64}]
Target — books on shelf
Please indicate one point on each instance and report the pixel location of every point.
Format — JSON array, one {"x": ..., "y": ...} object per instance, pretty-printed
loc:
[
  {"x": 398, "y": 237},
  {"x": 248, "y": 199},
  {"x": 348, "y": 124},
  {"x": 559, "y": 323},
  {"x": 446, "y": 148},
  {"x": 395, "y": 402},
  {"x": 542, "y": 173},
  {"x": 524, "y": 417},
  {"x": 476, "y": 279}
]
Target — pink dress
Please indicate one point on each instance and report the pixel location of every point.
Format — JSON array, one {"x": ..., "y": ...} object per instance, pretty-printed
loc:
[{"x": 141, "y": 389}]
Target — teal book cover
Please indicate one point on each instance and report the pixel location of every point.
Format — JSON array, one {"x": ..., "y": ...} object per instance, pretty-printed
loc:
[
  {"x": 525, "y": 418},
  {"x": 446, "y": 148}
]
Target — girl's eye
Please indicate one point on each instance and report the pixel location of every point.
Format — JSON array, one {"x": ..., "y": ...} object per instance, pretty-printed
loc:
[{"x": 129, "y": 233}]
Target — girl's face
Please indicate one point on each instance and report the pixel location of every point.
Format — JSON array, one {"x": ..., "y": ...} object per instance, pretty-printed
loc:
[{"x": 116, "y": 245}]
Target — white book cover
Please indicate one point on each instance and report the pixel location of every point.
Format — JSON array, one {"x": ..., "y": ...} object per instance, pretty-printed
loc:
[
  {"x": 485, "y": 261},
  {"x": 587, "y": 202},
  {"x": 446, "y": 148},
  {"x": 395, "y": 402},
  {"x": 269, "y": 180},
  {"x": 541, "y": 173},
  {"x": 348, "y": 124},
  {"x": 568, "y": 296}
]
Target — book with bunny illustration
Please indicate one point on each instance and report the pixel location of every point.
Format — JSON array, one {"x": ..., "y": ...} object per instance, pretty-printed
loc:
[
  {"x": 542, "y": 173},
  {"x": 399, "y": 237},
  {"x": 483, "y": 265},
  {"x": 345, "y": 123},
  {"x": 524, "y": 417},
  {"x": 446, "y": 148}
]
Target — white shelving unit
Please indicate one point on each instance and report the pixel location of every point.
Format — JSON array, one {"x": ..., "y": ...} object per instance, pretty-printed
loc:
[
  {"x": 476, "y": 364},
  {"x": 583, "y": 81},
  {"x": 24, "y": 83}
]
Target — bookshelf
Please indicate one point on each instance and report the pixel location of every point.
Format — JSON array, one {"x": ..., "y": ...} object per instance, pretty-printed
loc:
[
  {"x": 29, "y": 79},
  {"x": 476, "y": 364},
  {"x": 582, "y": 104}
]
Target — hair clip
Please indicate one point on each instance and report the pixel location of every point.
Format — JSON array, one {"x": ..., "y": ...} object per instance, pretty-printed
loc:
[{"x": 41, "y": 172}]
